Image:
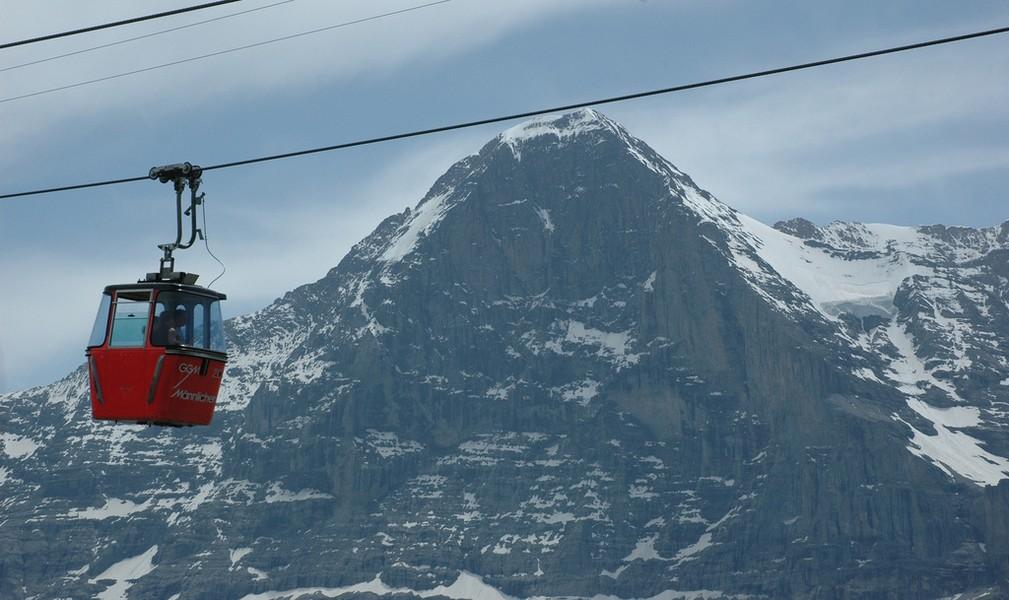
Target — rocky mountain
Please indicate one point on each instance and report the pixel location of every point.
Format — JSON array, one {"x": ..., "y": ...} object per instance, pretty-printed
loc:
[{"x": 568, "y": 372}]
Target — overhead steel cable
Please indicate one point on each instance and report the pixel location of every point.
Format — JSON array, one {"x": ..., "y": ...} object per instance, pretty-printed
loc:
[
  {"x": 168, "y": 13},
  {"x": 142, "y": 37},
  {"x": 78, "y": 186},
  {"x": 542, "y": 111},
  {"x": 221, "y": 52}
]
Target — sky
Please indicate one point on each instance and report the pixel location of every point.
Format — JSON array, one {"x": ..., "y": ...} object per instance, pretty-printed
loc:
[{"x": 916, "y": 138}]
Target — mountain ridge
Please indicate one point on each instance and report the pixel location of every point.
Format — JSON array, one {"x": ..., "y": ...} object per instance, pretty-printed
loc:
[
  {"x": 567, "y": 371},
  {"x": 956, "y": 243}
]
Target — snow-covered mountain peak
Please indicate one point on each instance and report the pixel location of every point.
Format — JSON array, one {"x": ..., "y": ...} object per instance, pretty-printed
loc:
[
  {"x": 561, "y": 126},
  {"x": 585, "y": 142},
  {"x": 586, "y": 128}
]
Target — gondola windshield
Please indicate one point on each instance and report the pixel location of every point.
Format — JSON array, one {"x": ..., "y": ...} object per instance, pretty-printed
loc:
[
  {"x": 188, "y": 320},
  {"x": 101, "y": 322}
]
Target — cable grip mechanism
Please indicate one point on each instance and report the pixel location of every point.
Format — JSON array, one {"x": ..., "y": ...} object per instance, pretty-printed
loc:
[{"x": 181, "y": 175}]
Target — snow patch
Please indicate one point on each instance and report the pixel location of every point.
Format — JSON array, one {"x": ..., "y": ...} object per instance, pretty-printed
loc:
[
  {"x": 956, "y": 417},
  {"x": 307, "y": 369},
  {"x": 867, "y": 374},
  {"x": 955, "y": 451},
  {"x": 908, "y": 370},
  {"x": 578, "y": 122},
  {"x": 499, "y": 391},
  {"x": 649, "y": 284},
  {"x": 656, "y": 522},
  {"x": 613, "y": 345},
  {"x": 237, "y": 554},
  {"x": 422, "y": 221},
  {"x": 544, "y": 216},
  {"x": 557, "y": 518},
  {"x": 581, "y": 392},
  {"x": 278, "y": 494},
  {"x": 124, "y": 574},
  {"x": 208, "y": 456},
  {"x": 112, "y": 509},
  {"x": 467, "y": 586},
  {"x": 644, "y": 550},
  {"x": 691, "y": 551},
  {"x": 18, "y": 447},
  {"x": 832, "y": 282}
]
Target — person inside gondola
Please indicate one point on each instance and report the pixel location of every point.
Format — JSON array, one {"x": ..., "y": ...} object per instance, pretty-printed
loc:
[{"x": 168, "y": 328}]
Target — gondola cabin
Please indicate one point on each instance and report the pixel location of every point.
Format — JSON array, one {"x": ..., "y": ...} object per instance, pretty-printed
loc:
[{"x": 156, "y": 354}]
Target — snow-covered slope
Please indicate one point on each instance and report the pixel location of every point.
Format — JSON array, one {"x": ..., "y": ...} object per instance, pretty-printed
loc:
[
  {"x": 922, "y": 309},
  {"x": 939, "y": 333}
]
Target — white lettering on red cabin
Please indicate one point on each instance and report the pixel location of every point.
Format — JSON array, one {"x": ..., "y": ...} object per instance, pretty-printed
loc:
[{"x": 194, "y": 396}]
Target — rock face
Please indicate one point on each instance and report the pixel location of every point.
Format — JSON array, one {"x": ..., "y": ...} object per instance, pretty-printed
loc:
[{"x": 568, "y": 371}]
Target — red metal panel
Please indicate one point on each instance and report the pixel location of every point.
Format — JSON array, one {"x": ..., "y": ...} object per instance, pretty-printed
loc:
[
  {"x": 186, "y": 392},
  {"x": 124, "y": 375},
  {"x": 183, "y": 391}
]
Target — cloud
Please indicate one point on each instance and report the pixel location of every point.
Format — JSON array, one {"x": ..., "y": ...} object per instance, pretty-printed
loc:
[
  {"x": 46, "y": 319},
  {"x": 366, "y": 51},
  {"x": 773, "y": 146}
]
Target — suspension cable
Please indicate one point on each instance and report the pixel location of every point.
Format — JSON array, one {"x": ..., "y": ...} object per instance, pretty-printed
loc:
[
  {"x": 218, "y": 52},
  {"x": 542, "y": 111},
  {"x": 169, "y": 13},
  {"x": 143, "y": 37}
]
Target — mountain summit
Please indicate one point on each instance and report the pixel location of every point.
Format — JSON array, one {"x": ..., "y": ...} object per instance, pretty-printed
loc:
[{"x": 568, "y": 371}]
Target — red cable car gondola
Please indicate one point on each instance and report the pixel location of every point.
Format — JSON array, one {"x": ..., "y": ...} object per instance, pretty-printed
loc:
[{"x": 157, "y": 352}]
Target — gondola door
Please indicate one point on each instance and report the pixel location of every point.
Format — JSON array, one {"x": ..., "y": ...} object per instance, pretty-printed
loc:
[
  {"x": 188, "y": 376},
  {"x": 122, "y": 367}
]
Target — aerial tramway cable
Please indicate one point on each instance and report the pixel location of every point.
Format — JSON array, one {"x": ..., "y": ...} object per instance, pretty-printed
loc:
[
  {"x": 220, "y": 52},
  {"x": 542, "y": 111},
  {"x": 143, "y": 37},
  {"x": 169, "y": 13}
]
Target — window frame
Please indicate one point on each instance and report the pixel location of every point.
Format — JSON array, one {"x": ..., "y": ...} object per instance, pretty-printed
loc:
[
  {"x": 133, "y": 296},
  {"x": 103, "y": 320},
  {"x": 189, "y": 301}
]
